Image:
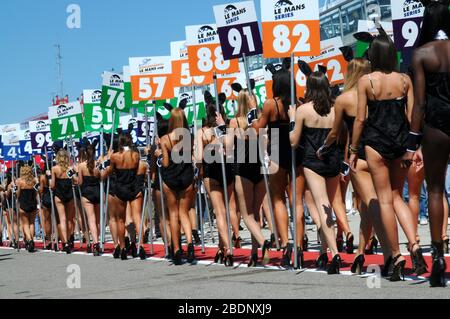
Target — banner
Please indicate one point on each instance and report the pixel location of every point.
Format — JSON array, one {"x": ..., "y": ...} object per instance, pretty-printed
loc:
[
  {"x": 66, "y": 121},
  {"x": 290, "y": 27},
  {"x": 180, "y": 66},
  {"x": 96, "y": 116},
  {"x": 40, "y": 136}
]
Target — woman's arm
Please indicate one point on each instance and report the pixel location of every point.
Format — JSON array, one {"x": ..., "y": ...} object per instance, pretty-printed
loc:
[
  {"x": 165, "y": 152},
  {"x": 79, "y": 179},
  {"x": 410, "y": 95},
  {"x": 264, "y": 119},
  {"x": 339, "y": 107},
  {"x": 360, "y": 112},
  {"x": 53, "y": 179},
  {"x": 296, "y": 115},
  {"x": 418, "y": 108}
]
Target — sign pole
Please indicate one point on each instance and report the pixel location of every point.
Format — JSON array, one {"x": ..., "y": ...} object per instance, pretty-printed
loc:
[
  {"x": 293, "y": 169},
  {"x": 53, "y": 213}
]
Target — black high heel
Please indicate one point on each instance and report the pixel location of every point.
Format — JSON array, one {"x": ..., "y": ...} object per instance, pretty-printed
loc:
[
  {"x": 253, "y": 260},
  {"x": 349, "y": 247},
  {"x": 300, "y": 258},
  {"x": 133, "y": 250},
  {"x": 305, "y": 243},
  {"x": 190, "y": 253},
  {"x": 218, "y": 259},
  {"x": 178, "y": 258},
  {"x": 419, "y": 264},
  {"x": 196, "y": 237},
  {"x": 446, "y": 244},
  {"x": 372, "y": 247},
  {"x": 334, "y": 268},
  {"x": 265, "y": 252},
  {"x": 89, "y": 249},
  {"x": 398, "y": 273},
  {"x": 127, "y": 243},
  {"x": 116, "y": 253},
  {"x": 322, "y": 261},
  {"x": 287, "y": 256},
  {"x": 340, "y": 243},
  {"x": 66, "y": 248},
  {"x": 387, "y": 267},
  {"x": 31, "y": 246},
  {"x": 229, "y": 261},
  {"x": 358, "y": 265},
  {"x": 437, "y": 277},
  {"x": 96, "y": 250},
  {"x": 123, "y": 254},
  {"x": 272, "y": 240},
  {"x": 237, "y": 242},
  {"x": 142, "y": 254}
]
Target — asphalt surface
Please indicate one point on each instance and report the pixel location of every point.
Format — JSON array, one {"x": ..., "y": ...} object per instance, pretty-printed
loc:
[{"x": 45, "y": 275}]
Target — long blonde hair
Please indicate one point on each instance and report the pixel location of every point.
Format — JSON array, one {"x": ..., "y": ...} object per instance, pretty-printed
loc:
[
  {"x": 243, "y": 107},
  {"x": 356, "y": 69},
  {"x": 177, "y": 120},
  {"x": 62, "y": 160},
  {"x": 26, "y": 173}
]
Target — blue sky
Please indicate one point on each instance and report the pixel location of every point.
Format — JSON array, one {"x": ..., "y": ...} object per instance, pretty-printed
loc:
[{"x": 111, "y": 31}]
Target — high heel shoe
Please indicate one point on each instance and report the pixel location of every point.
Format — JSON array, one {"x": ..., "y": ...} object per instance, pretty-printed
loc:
[
  {"x": 96, "y": 250},
  {"x": 287, "y": 256},
  {"x": 31, "y": 246},
  {"x": 190, "y": 253},
  {"x": 300, "y": 258},
  {"x": 334, "y": 268},
  {"x": 127, "y": 243},
  {"x": 322, "y": 261},
  {"x": 349, "y": 247},
  {"x": 272, "y": 241},
  {"x": 116, "y": 253},
  {"x": 437, "y": 277},
  {"x": 178, "y": 257},
  {"x": 229, "y": 261},
  {"x": 265, "y": 252},
  {"x": 66, "y": 248},
  {"x": 398, "y": 272},
  {"x": 373, "y": 246},
  {"x": 358, "y": 265},
  {"x": 142, "y": 254},
  {"x": 196, "y": 237},
  {"x": 340, "y": 243},
  {"x": 387, "y": 268},
  {"x": 419, "y": 264},
  {"x": 133, "y": 250},
  {"x": 89, "y": 249},
  {"x": 305, "y": 243},
  {"x": 237, "y": 242},
  {"x": 123, "y": 254},
  {"x": 253, "y": 260},
  {"x": 218, "y": 259}
]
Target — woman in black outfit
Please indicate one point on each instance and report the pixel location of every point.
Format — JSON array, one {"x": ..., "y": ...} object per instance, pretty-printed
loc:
[
  {"x": 310, "y": 125},
  {"x": 62, "y": 188},
  {"x": 26, "y": 195},
  {"x": 46, "y": 202},
  {"x": 388, "y": 97},
  {"x": 431, "y": 114},
  {"x": 178, "y": 181}
]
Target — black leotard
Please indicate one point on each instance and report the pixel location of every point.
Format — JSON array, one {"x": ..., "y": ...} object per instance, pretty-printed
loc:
[
  {"x": 387, "y": 126},
  {"x": 214, "y": 170},
  {"x": 125, "y": 186},
  {"x": 177, "y": 176},
  {"x": 46, "y": 198},
  {"x": 283, "y": 145},
  {"x": 27, "y": 200},
  {"x": 141, "y": 181},
  {"x": 246, "y": 167},
  {"x": 311, "y": 140},
  {"x": 91, "y": 189},
  {"x": 350, "y": 121},
  {"x": 63, "y": 190},
  {"x": 437, "y": 112}
]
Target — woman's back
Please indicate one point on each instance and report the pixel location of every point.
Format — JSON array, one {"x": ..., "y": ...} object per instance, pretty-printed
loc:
[
  {"x": 312, "y": 119},
  {"x": 385, "y": 86}
]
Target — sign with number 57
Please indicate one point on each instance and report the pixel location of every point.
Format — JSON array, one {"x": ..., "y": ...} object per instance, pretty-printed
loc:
[
  {"x": 151, "y": 78},
  {"x": 290, "y": 27}
]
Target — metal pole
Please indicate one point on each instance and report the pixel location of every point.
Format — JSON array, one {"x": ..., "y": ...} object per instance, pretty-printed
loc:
[
  {"x": 40, "y": 205},
  {"x": 102, "y": 194},
  {"x": 198, "y": 206},
  {"x": 141, "y": 228},
  {"x": 15, "y": 205},
  {"x": 293, "y": 169},
  {"x": 163, "y": 208},
  {"x": 224, "y": 176},
  {"x": 209, "y": 216},
  {"x": 55, "y": 236}
]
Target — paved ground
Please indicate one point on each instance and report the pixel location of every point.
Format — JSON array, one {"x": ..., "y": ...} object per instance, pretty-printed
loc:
[{"x": 45, "y": 275}]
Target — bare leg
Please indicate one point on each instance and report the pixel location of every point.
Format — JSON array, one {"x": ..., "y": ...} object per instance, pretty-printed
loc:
[{"x": 278, "y": 183}]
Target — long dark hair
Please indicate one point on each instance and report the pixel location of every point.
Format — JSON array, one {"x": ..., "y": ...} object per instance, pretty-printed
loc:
[
  {"x": 318, "y": 92},
  {"x": 90, "y": 159},
  {"x": 163, "y": 125},
  {"x": 210, "y": 120},
  {"x": 383, "y": 54},
  {"x": 282, "y": 88},
  {"x": 436, "y": 17}
]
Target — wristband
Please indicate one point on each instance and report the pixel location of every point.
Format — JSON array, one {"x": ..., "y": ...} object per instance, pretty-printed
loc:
[
  {"x": 291, "y": 126},
  {"x": 414, "y": 142},
  {"x": 352, "y": 150}
]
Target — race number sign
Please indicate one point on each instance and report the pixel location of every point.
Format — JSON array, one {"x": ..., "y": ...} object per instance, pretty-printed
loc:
[
  {"x": 260, "y": 86},
  {"x": 40, "y": 136},
  {"x": 113, "y": 92},
  {"x": 237, "y": 26},
  {"x": 25, "y": 143},
  {"x": 181, "y": 74},
  {"x": 290, "y": 27},
  {"x": 205, "y": 53},
  {"x": 129, "y": 103},
  {"x": 10, "y": 134},
  {"x": 330, "y": 57},
  {"x": 151, "y": 78},
  {"x": 189, "y": 110},
  {"x": 165, "y": 113},
  {"x": 66, "y": 121},
  {"x": 407, "y": 18},
  {"x": 95, "y": 115}
]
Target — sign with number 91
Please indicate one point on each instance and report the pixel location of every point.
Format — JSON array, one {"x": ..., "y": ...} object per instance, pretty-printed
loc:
[{"x": 290, "y": 27}]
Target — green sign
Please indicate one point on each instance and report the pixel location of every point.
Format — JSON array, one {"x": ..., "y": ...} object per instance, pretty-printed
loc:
[
  {"x": 66, "y": 121},
  {"x": 113, "y": 92}
]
